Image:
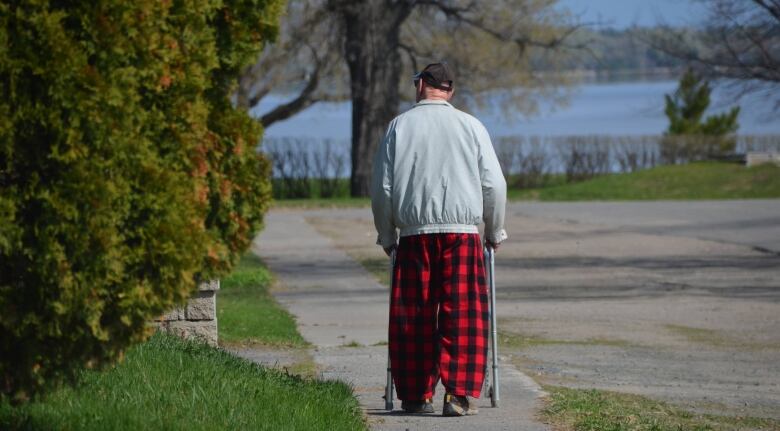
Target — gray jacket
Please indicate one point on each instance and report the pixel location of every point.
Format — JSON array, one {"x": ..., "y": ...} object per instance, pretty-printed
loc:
[{"x": 436, "y": 171}]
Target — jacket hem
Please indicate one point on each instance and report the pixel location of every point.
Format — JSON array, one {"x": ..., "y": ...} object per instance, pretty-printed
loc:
[{"x": 438, "y": 228}]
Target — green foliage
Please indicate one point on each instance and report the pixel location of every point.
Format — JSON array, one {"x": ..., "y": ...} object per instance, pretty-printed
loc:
[
  {"x": 125, "y": 173},
  {"x": 310, "y": 188},
  {"x": 316, "y": 203},
  {"x": 685, "y": 110},
  {"x": 171, "y": 384}
]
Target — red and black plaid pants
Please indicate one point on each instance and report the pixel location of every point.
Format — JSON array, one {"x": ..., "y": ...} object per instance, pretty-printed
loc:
[{"x": 439, "y": 315}]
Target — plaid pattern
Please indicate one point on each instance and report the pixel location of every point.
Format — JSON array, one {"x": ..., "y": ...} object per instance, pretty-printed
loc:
[{"x": 439, "y": 315}]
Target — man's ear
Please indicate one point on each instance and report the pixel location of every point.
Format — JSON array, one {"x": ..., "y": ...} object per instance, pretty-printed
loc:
[{"x": 451, "y": 93}]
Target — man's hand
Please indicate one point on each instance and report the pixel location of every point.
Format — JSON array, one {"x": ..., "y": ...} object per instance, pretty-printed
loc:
[
  {"x": 389, "y": 250},
  {"x": 492, "y": 245}
]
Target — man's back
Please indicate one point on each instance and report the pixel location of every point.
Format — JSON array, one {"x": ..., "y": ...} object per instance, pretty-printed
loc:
[
  {"x": 439, "y": 161},
  {"x": 436, "y": 170}
]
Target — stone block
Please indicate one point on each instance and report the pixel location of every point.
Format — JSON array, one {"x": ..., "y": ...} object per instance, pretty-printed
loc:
[
  {"x": 205, "y": 331},
  {"x": 758, "y": 158},
  {"x": 209, "y": 285},
  {"x": 197, "y": 319},
  {"x": 202, "y": 306},
  {"x": 175, "y": 314}
]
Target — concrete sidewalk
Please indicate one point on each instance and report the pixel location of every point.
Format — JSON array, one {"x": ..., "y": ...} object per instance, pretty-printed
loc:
[{"x": 338, "y": 303}]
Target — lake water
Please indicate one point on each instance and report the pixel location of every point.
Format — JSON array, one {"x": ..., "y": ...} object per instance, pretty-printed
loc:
[{"x": 632, "y": 108}]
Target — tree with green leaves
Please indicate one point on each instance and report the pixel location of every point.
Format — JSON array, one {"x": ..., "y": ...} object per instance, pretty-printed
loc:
[
  {"x": 685, "y": 109},
  {"x": 126, "y": 173},
  {"x": 366, "y": 51}
]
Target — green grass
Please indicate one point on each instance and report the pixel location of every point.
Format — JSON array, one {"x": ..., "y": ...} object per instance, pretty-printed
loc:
[
  {"x": 246, "y": 311},
  {"x": 597, "y": 410},
  {"x": 170, "y": 384},
  {"x": 699, "y": 335},
  {"x": 702, "y": 180},
  {"x": 352, "y": 343},
  {"x": 705, "y": 180},
  {"x": 719, "y": 339},
  {"x": 317, "y": 203},
  {"x": 378, "y": 267},
  {"x": 522, "y": 341},
  {"x": 288, "y": 190}
]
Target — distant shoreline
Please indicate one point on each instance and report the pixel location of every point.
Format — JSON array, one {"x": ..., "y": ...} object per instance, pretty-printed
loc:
[
  {"x": 598, "y": 107},
  {"x": 616, "y": 76}
]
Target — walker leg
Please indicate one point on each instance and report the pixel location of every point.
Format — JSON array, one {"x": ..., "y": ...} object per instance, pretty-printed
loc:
[
  {"x": 493, "y": 391},
  {"x": 389, "y": 385}
]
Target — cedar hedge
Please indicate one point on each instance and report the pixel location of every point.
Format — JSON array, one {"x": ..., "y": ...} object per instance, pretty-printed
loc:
[{"x": 125, "y": 172}]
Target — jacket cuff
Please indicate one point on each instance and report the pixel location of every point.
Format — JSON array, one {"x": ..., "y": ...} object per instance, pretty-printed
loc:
[
  {"x": 387, "y": 241},
  {"x": 497, "y": 237}
]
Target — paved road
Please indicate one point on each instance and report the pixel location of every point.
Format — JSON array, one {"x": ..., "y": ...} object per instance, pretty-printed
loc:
[
  {"x": 337, "y": 302},
  {"x": 674, "y": 300},
  {"x": 755, "y": 223}
]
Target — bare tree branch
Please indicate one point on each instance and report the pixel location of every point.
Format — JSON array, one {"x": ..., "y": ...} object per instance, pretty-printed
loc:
[
  {"x": 773, "y": 8},
  {"x": 360, "y": 44},
  {"x": 411, "y": 53},
  {"x": 740, "y": 41},
  {"x": 459, "y": 14},
  {"x": 306, "y": 54},
  {"x": 304, "y": 100}
]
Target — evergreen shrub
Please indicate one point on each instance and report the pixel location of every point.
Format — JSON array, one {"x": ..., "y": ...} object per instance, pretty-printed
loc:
[{"x": 126, "y": 174}]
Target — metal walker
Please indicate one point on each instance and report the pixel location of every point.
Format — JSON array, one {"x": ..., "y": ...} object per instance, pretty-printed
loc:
[{"x": 492, "y": 377}]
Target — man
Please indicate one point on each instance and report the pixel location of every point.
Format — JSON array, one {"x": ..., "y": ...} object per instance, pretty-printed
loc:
[{"x": 436, "y": 177}]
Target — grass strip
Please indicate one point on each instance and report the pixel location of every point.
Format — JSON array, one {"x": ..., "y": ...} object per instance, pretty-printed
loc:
[
  {"x": 247, "y": 312},
  {"x": 523, "y": 341},
  {"x": 598, "y": 410},
  {"x": 378, "y": 267},
  {"x": 171, "y": 384},
  {"x": 703, "y": 180},
  {"x": 715, "y": 338},
  {"x": 699, "y": 335},
  {"x": 320, "y": 203}
]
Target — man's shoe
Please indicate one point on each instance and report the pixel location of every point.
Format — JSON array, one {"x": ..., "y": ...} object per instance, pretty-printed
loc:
[
  {"x": 424, "y": 406},
  {"x": 455, "y": 405}
]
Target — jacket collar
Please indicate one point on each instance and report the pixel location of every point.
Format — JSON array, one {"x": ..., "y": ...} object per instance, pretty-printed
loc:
[{"x": 433, "y": 102}]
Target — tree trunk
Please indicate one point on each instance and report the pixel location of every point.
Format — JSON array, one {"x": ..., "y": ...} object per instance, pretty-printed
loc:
[{"x": 372, "y": 55}]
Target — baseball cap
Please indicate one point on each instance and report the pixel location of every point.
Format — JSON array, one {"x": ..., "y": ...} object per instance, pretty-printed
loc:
[{"x": 437, "y": 75}]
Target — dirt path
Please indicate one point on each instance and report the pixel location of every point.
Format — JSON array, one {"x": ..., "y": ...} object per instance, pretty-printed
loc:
[{"x": 342, "y": 310}]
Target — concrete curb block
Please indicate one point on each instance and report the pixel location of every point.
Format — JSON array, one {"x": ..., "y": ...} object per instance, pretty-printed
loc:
[
  {"x": 525, "y": 380},
  {"x": 197, "y": 319}
]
